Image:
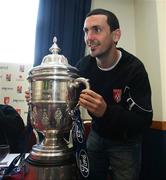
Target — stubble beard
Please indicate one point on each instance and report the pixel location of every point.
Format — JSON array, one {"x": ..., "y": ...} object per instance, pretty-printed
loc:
[{"x": 103, "y": 55}]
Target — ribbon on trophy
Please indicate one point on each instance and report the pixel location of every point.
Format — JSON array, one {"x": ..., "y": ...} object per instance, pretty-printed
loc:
[{"x": 79, "y": 142}]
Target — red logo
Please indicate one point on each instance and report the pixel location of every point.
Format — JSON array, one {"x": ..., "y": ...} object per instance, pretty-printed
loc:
[
  {"x": 19, "y": 111},
  {"x": 6, "y": 100},
  {"x": 8, "y": 77},
  {"x": 117, "y": 94}
]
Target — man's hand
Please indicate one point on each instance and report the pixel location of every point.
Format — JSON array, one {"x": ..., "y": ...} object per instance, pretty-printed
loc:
[{"x": 93, "y": 102}]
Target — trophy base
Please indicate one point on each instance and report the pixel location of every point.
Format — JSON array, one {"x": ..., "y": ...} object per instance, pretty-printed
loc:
[
  {"x": 47, "y": 162},
  {"x": 61, "y": 172},
  {"x": 50, "y": 156}
]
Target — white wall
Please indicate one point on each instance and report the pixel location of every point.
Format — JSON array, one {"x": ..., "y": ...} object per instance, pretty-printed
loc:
[
  {"x": 150, "y": 35},
  {"x": 161, "y": 19}
]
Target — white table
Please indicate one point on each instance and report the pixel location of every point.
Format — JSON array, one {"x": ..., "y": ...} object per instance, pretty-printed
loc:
[{"x": 8, "y": 159}]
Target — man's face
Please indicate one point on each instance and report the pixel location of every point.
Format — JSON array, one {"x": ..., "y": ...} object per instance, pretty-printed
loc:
[{"x": 98, "y": 36}]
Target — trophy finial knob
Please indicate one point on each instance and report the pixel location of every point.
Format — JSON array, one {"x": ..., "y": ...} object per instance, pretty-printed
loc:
[
  {"x": 54, "y": 49},
  {"x": 54, "y": 39}
]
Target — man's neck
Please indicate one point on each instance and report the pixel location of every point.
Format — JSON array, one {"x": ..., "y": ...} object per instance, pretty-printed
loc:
[{"x": 109, "y": 60}]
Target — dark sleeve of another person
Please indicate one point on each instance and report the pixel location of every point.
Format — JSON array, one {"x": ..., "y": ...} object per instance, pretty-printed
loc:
[{"x": 12, "y": 128}]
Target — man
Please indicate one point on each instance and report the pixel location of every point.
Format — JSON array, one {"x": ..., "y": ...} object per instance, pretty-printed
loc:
[{"x": 119, "y": 101}]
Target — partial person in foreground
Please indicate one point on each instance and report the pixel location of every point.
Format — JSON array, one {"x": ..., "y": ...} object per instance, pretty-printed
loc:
[
  {"x": 119, "y": 101},
  {"x": 12, "y": 129}
]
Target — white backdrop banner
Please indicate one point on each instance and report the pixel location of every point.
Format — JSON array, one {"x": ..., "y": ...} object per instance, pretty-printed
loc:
[{"x": 13, "y": 84}]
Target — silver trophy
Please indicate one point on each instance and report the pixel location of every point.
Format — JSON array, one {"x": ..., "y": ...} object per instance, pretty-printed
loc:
[{"x": 54, "y": 93}]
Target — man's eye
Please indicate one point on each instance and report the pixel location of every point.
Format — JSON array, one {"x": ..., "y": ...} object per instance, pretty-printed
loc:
[
  {"x": 97, "y": 29},
  {"x": 85, "y": 30}
]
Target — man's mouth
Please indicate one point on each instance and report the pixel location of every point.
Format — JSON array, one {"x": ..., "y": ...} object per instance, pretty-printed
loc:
[{"x": 93, "y": 44}]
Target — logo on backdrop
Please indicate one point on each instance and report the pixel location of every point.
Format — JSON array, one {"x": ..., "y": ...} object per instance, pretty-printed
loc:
[
  {"x": 6, "y": 100},
  {"x": 8, "y": 77},
  {"x": 19, "y": 111},
  {"x": 19, "y": 89}
]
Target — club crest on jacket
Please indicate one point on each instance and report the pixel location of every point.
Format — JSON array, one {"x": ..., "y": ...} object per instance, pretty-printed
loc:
[{"x": 117, "y": 94}]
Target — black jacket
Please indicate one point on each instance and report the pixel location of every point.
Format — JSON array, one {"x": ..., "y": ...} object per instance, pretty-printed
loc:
[{"x": 126, "y": 89}]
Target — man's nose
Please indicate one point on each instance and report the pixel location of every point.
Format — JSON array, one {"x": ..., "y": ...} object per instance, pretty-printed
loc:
[{"x": 89, "y": 36}]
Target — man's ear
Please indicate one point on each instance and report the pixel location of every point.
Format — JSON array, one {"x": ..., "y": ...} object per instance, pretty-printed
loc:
[{"x": 116, "y": 35}]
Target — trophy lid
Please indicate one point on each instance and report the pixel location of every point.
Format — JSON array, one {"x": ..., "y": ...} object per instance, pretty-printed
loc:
[
  {"x": 54, "y": 64},
  {"x": 54, "y": 59}
]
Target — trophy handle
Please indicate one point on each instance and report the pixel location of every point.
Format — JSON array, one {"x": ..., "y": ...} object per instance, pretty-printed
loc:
[
  {"x": 83, "y": 81},
  {"x": 74, "y": 85}
]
